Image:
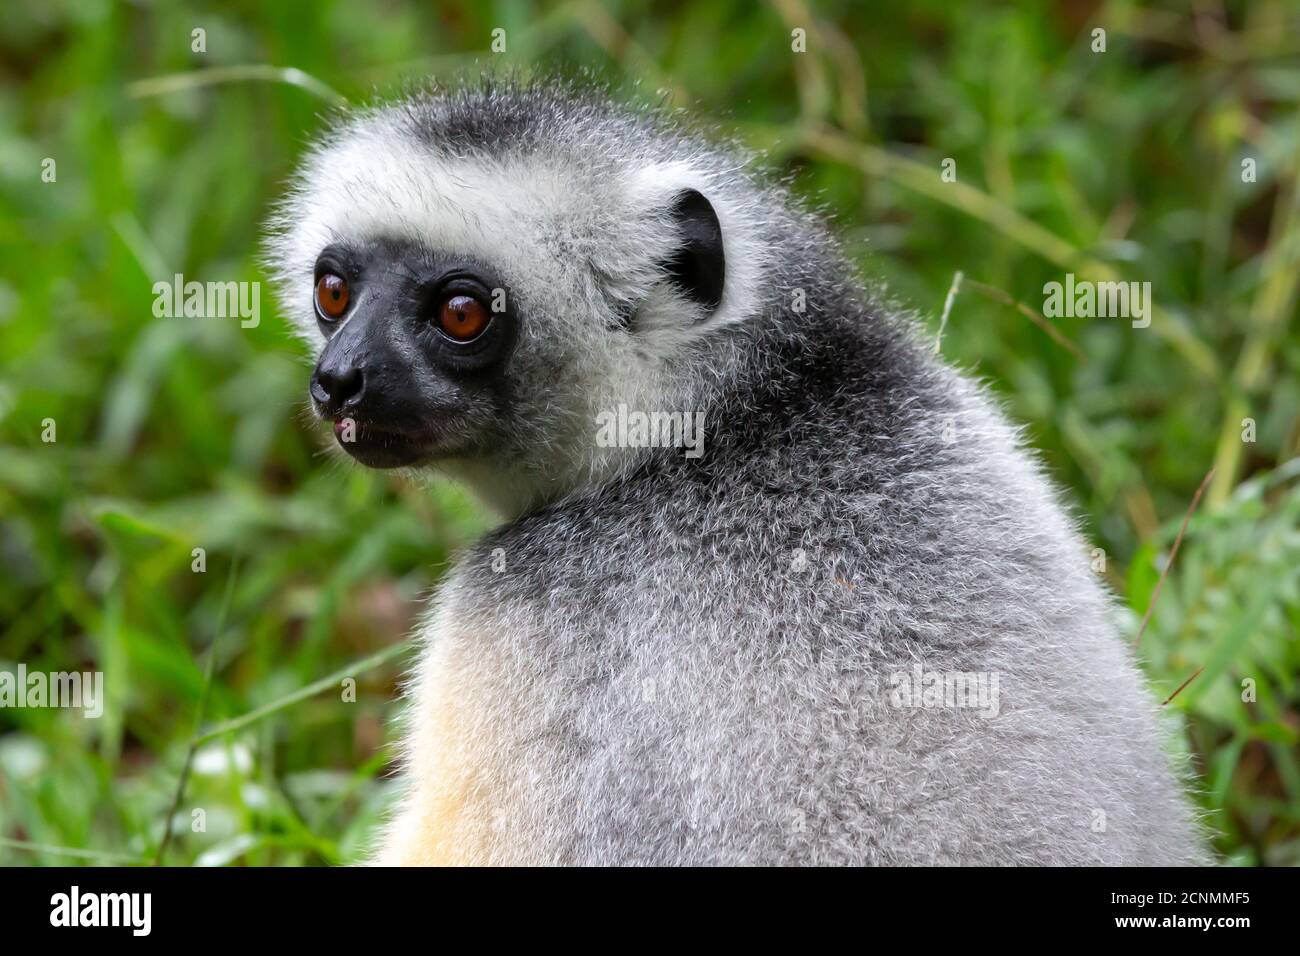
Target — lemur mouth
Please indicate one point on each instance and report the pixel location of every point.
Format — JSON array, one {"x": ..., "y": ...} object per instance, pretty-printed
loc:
[{"x": 378, "y": 446}]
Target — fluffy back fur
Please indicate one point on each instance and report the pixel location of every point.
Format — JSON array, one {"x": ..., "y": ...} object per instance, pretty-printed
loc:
[{"x": 667, "y": 660}]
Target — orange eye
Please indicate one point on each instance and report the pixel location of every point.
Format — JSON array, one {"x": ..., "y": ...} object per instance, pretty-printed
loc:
[
  {"x": 331, "y": 295},
  {"x": 462, "y": 317}
]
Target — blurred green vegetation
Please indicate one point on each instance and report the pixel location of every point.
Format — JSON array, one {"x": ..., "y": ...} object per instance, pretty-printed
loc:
[{"x": 174, "y": 434}]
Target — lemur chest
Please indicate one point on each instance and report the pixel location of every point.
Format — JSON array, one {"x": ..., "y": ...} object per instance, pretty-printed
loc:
[
  {"x": 451, "y": 745},
  {"x": 472, "y": 789},
  {"x": 512, "y": 732}
]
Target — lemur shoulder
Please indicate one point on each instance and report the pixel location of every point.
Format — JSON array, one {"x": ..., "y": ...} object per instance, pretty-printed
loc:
[{"x": 663, "y": 658}]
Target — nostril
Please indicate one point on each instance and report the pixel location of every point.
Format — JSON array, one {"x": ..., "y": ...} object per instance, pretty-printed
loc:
[
  {"x": 318, "y": 389},
  {"x": 334, "y": 388}
]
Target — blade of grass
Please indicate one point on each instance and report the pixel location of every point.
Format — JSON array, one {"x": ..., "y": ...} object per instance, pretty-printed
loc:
[
  {"x": 304, "y": 693},
  {"x": 909, "y": 173},
  {"x": 1173, "y": 553},
  {"x": 238, "y": 73},
  {"x": 1183, "y": 685},
  {"x": 620, "y": 46},
  {"x": 98, "y": 856},
  {"x": 359, "y": 778},
  {"x": 1272, "y": 307},
  {"x": 198, "y": 713},
  {"x": 1055, "y": 334},
  {"x": 947, "y": 308}
]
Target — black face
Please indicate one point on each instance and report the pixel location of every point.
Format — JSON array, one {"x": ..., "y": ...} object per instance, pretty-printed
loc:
[{"x": 416, "y": 343}]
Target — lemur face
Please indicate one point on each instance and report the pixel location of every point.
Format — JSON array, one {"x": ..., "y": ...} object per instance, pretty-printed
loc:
[
  {"x": 416, "y": 343},
  {"x": 478, "y": 289}
]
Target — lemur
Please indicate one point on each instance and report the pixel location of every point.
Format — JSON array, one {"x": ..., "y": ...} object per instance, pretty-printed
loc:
[{"x": 741, "y": 655}]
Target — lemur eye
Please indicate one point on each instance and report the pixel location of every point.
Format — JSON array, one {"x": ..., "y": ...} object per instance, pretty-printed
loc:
[
  {"x": 462, "y": 317},
  {"x": 331, "y": 296}
]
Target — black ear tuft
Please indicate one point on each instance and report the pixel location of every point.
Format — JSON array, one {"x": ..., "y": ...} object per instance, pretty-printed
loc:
[{"x": 698, "y": 267}]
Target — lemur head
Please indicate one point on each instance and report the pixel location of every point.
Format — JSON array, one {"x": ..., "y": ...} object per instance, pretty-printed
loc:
[{"x": 486, "y": 269}]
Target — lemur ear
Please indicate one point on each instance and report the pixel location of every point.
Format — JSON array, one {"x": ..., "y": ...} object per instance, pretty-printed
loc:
[{"x": 698, "y": 267}]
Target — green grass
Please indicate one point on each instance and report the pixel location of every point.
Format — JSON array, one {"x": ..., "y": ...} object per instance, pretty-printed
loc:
[{"x": 175, "y": 434}]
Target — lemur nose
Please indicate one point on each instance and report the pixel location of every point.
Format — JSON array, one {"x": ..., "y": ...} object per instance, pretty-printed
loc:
[{"x": 336, "y": 388}]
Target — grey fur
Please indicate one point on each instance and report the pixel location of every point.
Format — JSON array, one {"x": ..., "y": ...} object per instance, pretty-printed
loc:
[{"x": 689, "y": 661}]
